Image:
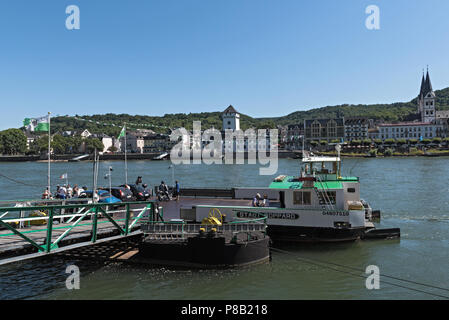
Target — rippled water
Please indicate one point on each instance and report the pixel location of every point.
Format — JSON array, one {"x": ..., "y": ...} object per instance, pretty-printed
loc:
[{"x": 413, "y": 194}]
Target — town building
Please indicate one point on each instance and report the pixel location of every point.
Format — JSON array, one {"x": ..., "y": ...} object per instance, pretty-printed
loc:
[
  {"x": 135, "y": 142},
  {"x": 426, "y": 100},
  {"x": 442, "y": 118},
  {"x": 356, "y": 129},
  {"x": 432, "y": 124},
  {"x": 325, "y": 129},
  {"x": 231, "y": 119},
  {"x": 157, "y": 143},
  {"x": 295, "y": 134},
  {"x": 409, "y": 130}
]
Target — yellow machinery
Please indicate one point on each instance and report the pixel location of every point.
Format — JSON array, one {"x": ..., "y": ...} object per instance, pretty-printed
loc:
[
  {"x": 38, "y": 222},
  {"x": 214, "y": 218}
]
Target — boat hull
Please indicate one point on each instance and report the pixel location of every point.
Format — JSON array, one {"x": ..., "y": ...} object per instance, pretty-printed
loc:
[
  {"x": 313, "y": 234},
  {"x": 205, "y": 252}
]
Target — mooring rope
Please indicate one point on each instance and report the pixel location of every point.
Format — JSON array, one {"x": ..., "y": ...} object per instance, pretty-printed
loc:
[
  {"x": 19, "y": 182},
  {"x": 320, "y": 264}
]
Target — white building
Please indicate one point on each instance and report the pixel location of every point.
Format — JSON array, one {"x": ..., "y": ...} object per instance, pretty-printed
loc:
[
  {"x": 409, "y": 130},
  {"x": 426, "y": 100},
  {"x": 231, "y": 119}
]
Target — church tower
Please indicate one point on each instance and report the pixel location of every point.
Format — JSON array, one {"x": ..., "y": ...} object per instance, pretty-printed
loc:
[
  {"x": 231, "y": 119},
  {"x": 426, "y": 100}
]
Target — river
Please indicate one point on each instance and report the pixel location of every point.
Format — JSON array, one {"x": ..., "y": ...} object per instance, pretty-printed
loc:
[{"x": 412, "y": 193}]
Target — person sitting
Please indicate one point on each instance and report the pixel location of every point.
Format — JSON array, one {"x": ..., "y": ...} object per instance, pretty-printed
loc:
[
  {"x": 256, "y": 200},
  {"x": 139, "y": 180},
  {"x": 163, "y": 188},
  {"x": 62, "y": 193},
  {"x": 266, "y": 202},
  {"x": 46, "y": 195},
  {"x": 69, "y": 191}
]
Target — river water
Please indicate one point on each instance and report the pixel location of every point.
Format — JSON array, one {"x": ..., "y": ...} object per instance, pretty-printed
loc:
[{"x": 412, "y": 193}]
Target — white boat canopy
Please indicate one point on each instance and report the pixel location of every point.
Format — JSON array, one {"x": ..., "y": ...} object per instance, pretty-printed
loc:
[{"x": 321, "y": 159}]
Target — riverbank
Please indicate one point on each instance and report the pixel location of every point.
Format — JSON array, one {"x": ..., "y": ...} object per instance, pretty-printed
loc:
[
  {"x": 282, "y": 154},
  {"x": 428, "y": 153}
]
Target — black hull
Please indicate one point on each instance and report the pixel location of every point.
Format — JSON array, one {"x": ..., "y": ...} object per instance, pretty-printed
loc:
[
  {"x": 313, "y": 234},
  {"x": 204, "y": 252}
]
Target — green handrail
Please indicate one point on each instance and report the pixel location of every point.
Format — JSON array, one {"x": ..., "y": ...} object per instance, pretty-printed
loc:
[{"x": 95, "y": 207}]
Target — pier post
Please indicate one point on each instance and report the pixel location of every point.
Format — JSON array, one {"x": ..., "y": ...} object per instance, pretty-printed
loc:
[
  {"x": 49, "y": 229},
  {"x": 94, "y": 225},
  {"x": 127, "y": 219}
]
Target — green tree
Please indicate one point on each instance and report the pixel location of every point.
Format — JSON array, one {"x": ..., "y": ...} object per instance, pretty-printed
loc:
[
  {"x": 59, "y": 144},
  {"x": 94, "y": 143},
  {"x": 13, "y": 141}
]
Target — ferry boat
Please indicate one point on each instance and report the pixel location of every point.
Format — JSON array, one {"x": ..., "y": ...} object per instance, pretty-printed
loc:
[
  {"x": 318, "y": 205},
  {"x": 213, "y": 243}
]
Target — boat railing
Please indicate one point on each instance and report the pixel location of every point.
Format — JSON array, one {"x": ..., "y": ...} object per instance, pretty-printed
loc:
[{"x": 184, "y": 230}]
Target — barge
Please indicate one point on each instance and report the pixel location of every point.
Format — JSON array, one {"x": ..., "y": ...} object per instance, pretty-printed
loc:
[
  {"x": 318, "y": 205},
  {"x": 212, "y": 243}
]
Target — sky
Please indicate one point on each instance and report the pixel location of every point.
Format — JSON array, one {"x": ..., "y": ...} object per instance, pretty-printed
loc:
[{"x": 265, "y": 57}]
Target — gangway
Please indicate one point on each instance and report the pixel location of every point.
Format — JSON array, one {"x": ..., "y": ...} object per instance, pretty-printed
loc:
[{"x": 51, "y": 229}]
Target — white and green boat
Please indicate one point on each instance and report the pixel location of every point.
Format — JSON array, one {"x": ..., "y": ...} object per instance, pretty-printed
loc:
[{"x": 317, "y": 205}]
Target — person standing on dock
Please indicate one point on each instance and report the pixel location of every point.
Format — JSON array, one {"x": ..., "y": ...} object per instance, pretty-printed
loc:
[{"x": 176, "y": 190}]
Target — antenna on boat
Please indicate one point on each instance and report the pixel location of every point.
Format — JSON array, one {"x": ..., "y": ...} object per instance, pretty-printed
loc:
[
  {"x": 338, "y": 149},
  {"x": 303, "y": 138}
]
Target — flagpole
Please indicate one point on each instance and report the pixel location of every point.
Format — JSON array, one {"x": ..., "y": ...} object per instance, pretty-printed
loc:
[
  {"x": 126, "y": 162},
  {"x": 49, "y": 152}
]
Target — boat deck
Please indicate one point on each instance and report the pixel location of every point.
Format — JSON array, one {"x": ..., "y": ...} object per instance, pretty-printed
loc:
[{"x": 172, "y": 208}]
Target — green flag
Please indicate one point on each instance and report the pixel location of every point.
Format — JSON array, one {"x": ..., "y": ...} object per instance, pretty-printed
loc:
[
  {"x": 42, "y": 124},
  {"x": 122, "y": 133},
  {"x": 37, "y": 124}
]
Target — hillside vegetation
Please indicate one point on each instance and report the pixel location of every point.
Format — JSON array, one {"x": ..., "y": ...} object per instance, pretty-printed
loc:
[{"x": 389, "y": 112}]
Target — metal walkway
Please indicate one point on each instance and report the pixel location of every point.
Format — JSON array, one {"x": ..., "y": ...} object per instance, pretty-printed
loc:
[{"x": 35, "y": 231}]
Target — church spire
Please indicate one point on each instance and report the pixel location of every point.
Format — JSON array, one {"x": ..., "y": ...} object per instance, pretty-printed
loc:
[
  {"x": 423, "y": 81},
  {"x": 428, "y": 85}
]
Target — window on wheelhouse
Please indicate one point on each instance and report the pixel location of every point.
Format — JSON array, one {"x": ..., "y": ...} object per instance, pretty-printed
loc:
[{"x": 302, "y": 197}]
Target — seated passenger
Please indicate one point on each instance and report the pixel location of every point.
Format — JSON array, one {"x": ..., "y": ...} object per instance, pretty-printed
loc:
[
  {"x": 256, "y": 200},
  {"x": 266, "y": 202}
]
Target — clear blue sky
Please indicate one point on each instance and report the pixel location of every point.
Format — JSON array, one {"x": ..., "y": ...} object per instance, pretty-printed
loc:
[{"x": 267, "y": 58}]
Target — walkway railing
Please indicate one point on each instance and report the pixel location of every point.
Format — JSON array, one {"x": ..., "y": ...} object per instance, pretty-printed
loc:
[{"x": 48, "y": 215}]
